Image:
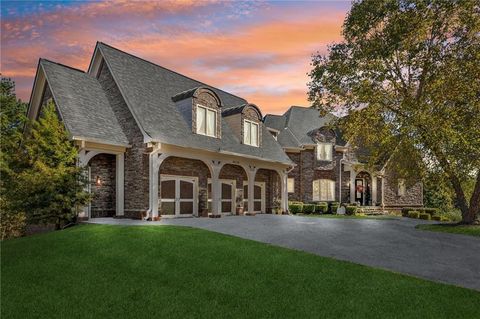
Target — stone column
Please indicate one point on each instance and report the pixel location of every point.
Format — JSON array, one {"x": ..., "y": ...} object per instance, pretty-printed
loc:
[
  {"x": 353, "y": 174},
  {"x": 251, "y": 172},
  {"x": 120, "y": 182},
  {"x": 154, "y": 162},
  {"x": 374, "y": 190},
  {"x": 216, "y": 189}
]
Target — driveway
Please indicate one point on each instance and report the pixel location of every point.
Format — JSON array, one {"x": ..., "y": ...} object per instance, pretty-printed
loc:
[{"x": 392, "y": 244}]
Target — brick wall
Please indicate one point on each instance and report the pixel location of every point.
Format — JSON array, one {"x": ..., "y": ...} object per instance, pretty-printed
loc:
[
  {"x": 136, "y": 159},
  {"x": 104, "y": 201}
]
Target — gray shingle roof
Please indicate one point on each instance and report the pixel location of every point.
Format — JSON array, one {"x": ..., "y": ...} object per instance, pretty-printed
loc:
[
  {"x": 148, "y": 90},
  {"x": 82, "y": 104},
  {"x": 295, "y": 124}
]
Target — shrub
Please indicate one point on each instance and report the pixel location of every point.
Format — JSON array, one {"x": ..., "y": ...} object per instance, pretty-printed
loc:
[
  {"x": 405, "y": 211},
  {"x": 295, "y": 208},
  {"x": 309, "y": 208},
  {"x": 12, "y": 225},
  {"x": 351, "y": 210},
  {"x": 414, "y": 214},
  {"x": 321, "y": 208},
  {"x": 425, "y": 216},
  {"x": 431, "y": 211},
  {"x": 334, "y": 206},
  {"x": 437, "y": 218}
]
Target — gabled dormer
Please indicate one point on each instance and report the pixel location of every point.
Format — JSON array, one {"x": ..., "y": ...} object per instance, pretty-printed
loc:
[
  {"x": 201, "y": 107},
  {"x": 246, "y": 122}
]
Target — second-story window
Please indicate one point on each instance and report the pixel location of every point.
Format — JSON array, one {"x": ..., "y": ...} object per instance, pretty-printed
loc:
[
  {"x": 324, "y": 151},
  {"x": 250, "y": 133},
  {"x": 206, "y": 121}
]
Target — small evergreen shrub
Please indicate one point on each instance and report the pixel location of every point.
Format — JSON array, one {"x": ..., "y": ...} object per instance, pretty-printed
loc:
[
  {"x": 309, "y": 208},
  {"x": 295, "y": 207},
  {"x": 405, "y": 211},
  {"x": 351, "y": 210},
  {"x": 414, "y": 214},
  {"x": 321, "y": 208},
  {"x": 334, "y": 206},
  {"x": 425, "y": 216},
  {"x": 437, "y": 218},
  {"x": 431, "y": 211}
]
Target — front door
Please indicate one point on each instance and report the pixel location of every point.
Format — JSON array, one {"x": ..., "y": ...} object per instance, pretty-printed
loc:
[
  {"x": 258, "y": 197},
  {"x": 178, "y": 196}
]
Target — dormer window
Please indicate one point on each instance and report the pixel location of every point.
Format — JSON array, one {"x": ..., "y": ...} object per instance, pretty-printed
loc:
[
  {"x": 324, "y": 151},
  {"x": 250, "y": 133},
  {"x": 206, "y": 121}
]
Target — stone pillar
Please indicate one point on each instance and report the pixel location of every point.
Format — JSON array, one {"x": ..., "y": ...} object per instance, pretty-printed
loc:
[
  {"x": 155, "y": 161},
  {"x": 251, "y": 172},
  {"x": 353, "y": 174},
  {"x": 374, "y": 189},
  {"x": 120, "y": 182},
  {"x": 216, "y": 189},
  {"x": 283, "y": 191}
]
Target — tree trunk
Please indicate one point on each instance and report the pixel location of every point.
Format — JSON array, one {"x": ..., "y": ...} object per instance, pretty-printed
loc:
[{"x": 474, "y": 209}]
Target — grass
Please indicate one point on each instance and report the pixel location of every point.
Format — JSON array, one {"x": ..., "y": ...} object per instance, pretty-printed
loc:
[
  {"x": 100, "y": 271},
  {"x": 470, "y": 230}
]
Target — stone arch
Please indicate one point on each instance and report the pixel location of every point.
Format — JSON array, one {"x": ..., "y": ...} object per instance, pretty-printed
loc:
[
  {"x": 181, "y": 166},
  {"x": 272, "y": 180},
  {"x": 238, "y": 174}
]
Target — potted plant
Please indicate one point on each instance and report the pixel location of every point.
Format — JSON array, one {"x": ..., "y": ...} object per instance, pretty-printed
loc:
[{"x": 239, "y": 210}]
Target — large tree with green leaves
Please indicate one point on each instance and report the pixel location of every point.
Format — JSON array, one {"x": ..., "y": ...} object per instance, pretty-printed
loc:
[{"x": 408, "y": 75}]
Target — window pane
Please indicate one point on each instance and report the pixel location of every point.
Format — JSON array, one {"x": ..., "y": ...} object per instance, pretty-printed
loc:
[
  {"x": 245, "y": 191},
  {"x": 257, "y": 206},
  {"x": 226, "y": 207},
  {"x": 200, "y": 120},
  {"x": 186, "y": 208},
  {"x": 324, "y": 151},
  {"x": 246, "y": 132},
  {"x": 328, "y": 152},
  {"x": 226, "y": 191},
  {"x": 211, "y": 123},
  {"x": 168, "y": 208},
  {"x": 316, "y": 190},
  {"x": 167, "y": 189},
  {"x": 291, "y": 185},
  {"x": 257, "y": 192},
  {"x": 332, "y": 191},
  {"x": 186, "y": 190},
  {"x": 254, "y": 135}
]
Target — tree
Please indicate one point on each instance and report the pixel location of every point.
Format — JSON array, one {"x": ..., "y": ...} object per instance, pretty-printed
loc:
[
  {"x": 408, "y": 75},
  {"x": 12, "y": 120},
  {"x": 51, "y": 186}
]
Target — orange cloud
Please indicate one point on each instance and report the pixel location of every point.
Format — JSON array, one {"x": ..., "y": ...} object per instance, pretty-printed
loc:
[{"x": 265, "y": 60}]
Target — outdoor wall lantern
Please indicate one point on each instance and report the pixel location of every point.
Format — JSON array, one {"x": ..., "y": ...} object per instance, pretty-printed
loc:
[{"x": 98, "y": 181}]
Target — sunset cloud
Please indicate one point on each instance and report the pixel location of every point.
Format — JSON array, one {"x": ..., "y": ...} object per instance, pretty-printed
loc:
[{"x": 260, "y": 51}]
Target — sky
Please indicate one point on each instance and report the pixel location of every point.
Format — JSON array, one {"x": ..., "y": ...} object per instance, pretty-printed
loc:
[{"x": 259, "y": 50}]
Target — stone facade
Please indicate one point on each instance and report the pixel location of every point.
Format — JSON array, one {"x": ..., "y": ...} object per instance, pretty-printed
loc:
[
  {"x": 413, "y": 193},
  {"x": 136, "y": 158},
  {"x": 102, "y": 185}
]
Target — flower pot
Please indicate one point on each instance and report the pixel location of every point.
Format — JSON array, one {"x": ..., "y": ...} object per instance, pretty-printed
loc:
[{"x": 239, "y": 211}]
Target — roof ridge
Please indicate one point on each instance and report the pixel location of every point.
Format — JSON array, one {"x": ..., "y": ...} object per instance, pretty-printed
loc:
[
  {"x": 157, "y": 65},
  {"x": 63, "y": 65}
]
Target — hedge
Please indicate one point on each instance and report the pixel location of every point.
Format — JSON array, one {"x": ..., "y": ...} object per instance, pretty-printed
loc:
[
  {"x": 309, "y": 208},
  {"x": 295, "y": 208},
  {"x": 437, "y": 218},
  {"x": 425, "y": 216},
  {"x": 431, "y": 211},
  {"x": 351, "y": 210},
  {"x": 321, "y": 208},
  {"x": 334, "y": 206},
  {"x": 414, "y": 214}
]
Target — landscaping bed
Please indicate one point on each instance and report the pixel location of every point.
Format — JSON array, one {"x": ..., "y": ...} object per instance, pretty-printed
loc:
[{"x": 101, "y": 271}]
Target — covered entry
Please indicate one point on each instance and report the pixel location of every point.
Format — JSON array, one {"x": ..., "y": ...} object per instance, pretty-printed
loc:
[{"x": 178, "y": 195}]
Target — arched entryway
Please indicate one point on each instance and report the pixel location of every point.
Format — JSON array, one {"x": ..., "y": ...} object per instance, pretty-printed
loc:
[
  {"x": 363, "y": 189},
  {"x": 182, "y": 187}
]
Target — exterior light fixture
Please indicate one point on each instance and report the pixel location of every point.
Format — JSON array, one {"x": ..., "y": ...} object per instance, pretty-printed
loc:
[{"x": 98, "y": 181}]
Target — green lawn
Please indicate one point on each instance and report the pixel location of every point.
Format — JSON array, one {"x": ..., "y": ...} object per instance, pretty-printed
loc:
[
  {"x": 94, "y": 271},
  {"x": 471, "y": 230}
]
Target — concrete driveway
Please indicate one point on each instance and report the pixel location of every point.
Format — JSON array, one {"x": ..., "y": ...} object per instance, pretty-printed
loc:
[{"x": 392, "y": 244}]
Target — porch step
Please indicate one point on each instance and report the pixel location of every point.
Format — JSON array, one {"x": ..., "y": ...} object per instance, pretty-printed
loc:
[{"x": 373, "y": 210}]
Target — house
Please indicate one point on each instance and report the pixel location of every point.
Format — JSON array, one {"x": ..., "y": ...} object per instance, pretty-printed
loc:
[
  {"x": 329, "y": 169},
  {"x": 157, "y": 143}
]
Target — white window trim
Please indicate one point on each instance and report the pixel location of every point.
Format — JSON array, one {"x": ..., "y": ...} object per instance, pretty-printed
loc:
[
  {"x": 258, "y": 133},
  {"x": 206, "y": 122},
  {"x": 291, "y": 187},
  {"x": 318, "y": 154},
  {"x": 320, "y": 196}
]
